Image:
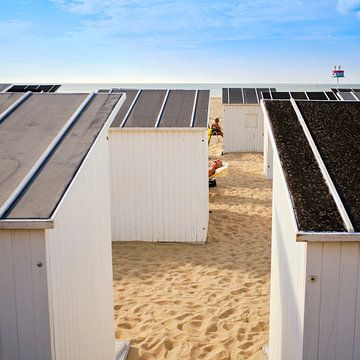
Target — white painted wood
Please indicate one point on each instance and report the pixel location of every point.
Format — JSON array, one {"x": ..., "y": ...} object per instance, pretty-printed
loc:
[
  {"x": 80, "y": 265},
  {"x": 288, "y": 264},
  {"x": 268, "y": 151},
  {"x": 240, "y": 135},
  {"x": 24, "y": 310},
  {"x": 159, "y": 185}
]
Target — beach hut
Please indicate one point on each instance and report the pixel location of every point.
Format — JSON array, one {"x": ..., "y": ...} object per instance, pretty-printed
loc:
[
  {"x": 287, "y": 95},
  {"x": 315, "y": 261},
  {"x": 243, "y": 120},
  {"x": 55, "y": 232},
  {"x": 159, "y": 160}
]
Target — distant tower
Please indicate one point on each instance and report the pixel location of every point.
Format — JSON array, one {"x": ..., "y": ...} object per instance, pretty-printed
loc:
[{"x": 338, "y": 73}]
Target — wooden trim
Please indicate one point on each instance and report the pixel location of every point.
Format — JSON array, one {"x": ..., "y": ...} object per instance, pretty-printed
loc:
[
  {"x": 307, "y": 236},
  {"x": 19, "y": 224},
  {"x": 162, "y": 109},
  {"x": 153, "y": 129},
  {"x": 194, "y": 108}
]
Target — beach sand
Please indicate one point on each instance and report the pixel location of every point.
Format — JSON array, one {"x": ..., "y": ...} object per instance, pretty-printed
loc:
[{"x": 179, "y": 301}]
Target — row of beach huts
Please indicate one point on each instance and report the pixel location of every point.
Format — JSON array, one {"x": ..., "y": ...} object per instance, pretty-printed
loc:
[{"x": 80, "y": 170}]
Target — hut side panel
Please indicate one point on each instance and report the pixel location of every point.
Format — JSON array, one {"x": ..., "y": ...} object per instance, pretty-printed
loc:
[
  {"x": 80, "y": 264},
  {"x": 288, "y": 260},
  {"x": 243, "y": 128},
  {"x": 24, "y": 307},
  {"x": 332, "y": 304},
  {"x": 159, "y": 185}
]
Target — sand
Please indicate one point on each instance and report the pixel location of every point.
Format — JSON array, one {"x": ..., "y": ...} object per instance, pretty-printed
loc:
[{"x": 178, "y": 301}]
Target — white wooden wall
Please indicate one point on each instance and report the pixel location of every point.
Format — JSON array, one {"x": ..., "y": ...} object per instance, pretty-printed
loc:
[
  {"x": 159, "y": 184},
  {"x": 332, "y": 305},
  {"x": 268, "y": 153},
  {"x": 288, "y": 273},
  {"x": 24, "y": 310},
  {"x": 239, "y": 134},
  {"x": 80, "y": 265}
]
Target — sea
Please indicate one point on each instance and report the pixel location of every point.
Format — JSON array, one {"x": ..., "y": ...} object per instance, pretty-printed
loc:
[{"x": 215, "y": 88}]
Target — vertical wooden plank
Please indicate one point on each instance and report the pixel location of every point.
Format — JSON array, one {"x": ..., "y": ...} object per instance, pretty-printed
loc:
[
  {"x": 23, "y": 290},
  {"x": 347, "y": 301},
  {"x": 8, "y": 321},
  {"x": 356, "y": 345},
  {"x": 329, "y": 301},
  {"x": 40, "y": 294},
  {"x": 312, "y": 300}
]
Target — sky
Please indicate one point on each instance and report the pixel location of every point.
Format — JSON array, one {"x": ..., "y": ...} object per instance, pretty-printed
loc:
[{"x": 157, "y": 41}]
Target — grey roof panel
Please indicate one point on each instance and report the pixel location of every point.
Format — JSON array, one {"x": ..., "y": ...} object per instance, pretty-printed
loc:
[
  {"x": 225, "y": 97},
  {"x": 178, "y": 109},
  {"x": 146, "y": 109},
  {"x": 27, "y": 132},
  {"x": 347, "y": 96},
  {"x": 130, "y": 96},
  {"x": 3, "y": 87},
  {"x": 250, "y": 96},
  {"x": 202, "y": 109},
  {"x": 335, "y": 127},
  {"x": 357, "y": 94},
  {"x": 6, "y": 100},
  {"x": 235, "y": 96},
  {"x": 41, "y": 197}
]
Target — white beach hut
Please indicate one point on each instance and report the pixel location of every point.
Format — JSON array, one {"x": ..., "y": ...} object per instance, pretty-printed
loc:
[
  {"x": 159, "y": 159},
  {"x": 287, "y": 95},
  {"x": 243, "y": 119},
  {"x": 55, "y": 232},
  {"x": 315, "y": 263}
]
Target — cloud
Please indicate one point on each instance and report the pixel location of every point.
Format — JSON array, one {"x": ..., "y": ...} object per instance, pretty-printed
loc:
[
  {"x": 348, "y": 6},
  {"x": 13, "y": 27}
]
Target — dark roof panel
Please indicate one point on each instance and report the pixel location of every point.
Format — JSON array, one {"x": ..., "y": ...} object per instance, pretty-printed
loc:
[
  {"x": 250, "y": 96},
  {"x": 314, "y": 207},
  {"x": 316, "y": 95},
  {"x": 33, "y": 88},
  {"x": 146, "y": 109},
  {"x": 298, "y": 95},
  {"x": 280, "y": 95},
  {"x": 178, "y": 109},
  {"x": 225, "y": 97},
  {"x": 266, "y": 95},
  {"x": 260, "y": 92},
  {"x": 357, "y": 94},
  {"x": 27, "y": 132},
  {"x": 335, "y": 127},
  {"x": 331, "y": 95},
  {"x": 41, "y": 197},
  {"x": 202, "y": 109},
  {"x": 235, "y": 96}
]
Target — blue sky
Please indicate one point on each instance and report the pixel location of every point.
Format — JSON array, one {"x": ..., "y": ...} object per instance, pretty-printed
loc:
[{"x": 240, "y": 41}]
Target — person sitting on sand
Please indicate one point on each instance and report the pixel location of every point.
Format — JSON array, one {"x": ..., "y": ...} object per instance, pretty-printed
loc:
[{"x": 215, "y": 126}]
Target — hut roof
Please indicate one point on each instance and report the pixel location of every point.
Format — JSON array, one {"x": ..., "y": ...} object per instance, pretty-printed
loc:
[
  {"x": 44, "y": 139},
  {"x": 163, "y": 109},
  {"x": 238, "y": 96},
  {"x": 319, "y": 148}
]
